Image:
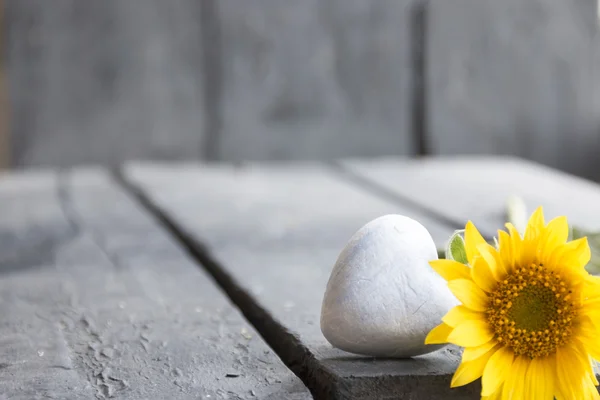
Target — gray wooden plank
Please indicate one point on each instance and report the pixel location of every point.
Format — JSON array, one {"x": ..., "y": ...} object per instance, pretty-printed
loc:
[
  {"x": 4, "y": 111},
  {"x": 478, "y": 188},
  {"x": 309, "y": 79},
  {"x": 104, "y": 81},
  {"x": 112, "y": 307},
  {"x": 270, "y": 235},
  {"x": 35, "y": 359},
  {"x": 516, "y": 78}
]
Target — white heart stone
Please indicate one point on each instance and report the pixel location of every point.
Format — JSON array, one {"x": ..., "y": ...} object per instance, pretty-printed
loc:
[{"x": 383, "y": 297}]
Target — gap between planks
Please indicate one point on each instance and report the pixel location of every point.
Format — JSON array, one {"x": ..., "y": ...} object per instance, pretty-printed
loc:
[{"x": 386, "y": 194}]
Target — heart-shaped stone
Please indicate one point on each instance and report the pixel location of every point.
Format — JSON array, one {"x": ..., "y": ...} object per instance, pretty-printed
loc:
[{"x": 383, "y": 297}]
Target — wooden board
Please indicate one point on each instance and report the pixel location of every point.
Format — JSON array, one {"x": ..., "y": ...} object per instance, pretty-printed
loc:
[
  {"x": 478, "y": 188},
  {"x": 228, "y": 80},
  {"x": 100, "y": 82},
  {"x": 270, "y": 236},
  {"x": 314, "y": 79},
  {"x": 240, "y": 80},
  {"x": 97, "y": 301},
  {"x": 4, "y": 111},
  {"x": 517, "y": 78}
]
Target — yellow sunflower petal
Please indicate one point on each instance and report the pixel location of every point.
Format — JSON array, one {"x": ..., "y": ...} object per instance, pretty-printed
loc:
[
  {"x": 591, "y": 392},
  {"x": 472, "y": 239},
  {"x": 580, "y": 350},
  {"x": 439, "y": 334},
  {"x": 591, "y": 309},
  {"x": 590, "y": 297},
  {"x": 535, "y": 226},
  {"x": 471, "y": 333},
  {"x": 450, "y": 269},
  {"x": 588, "y": 333},
  {"x": 516, "y": 243},
  {"x": 590, "y": 289},
  {"x": 482, "y": 274},
  {"x": 505, "y": 250},
  {"x": 471, "y": 353},
  {"x": 460, "y": 314},
  {"x": 558, "y": 391},
  {"x": 571, "y": 370},
  {"x": 575, "y": 254},
  {"x": 496, "y": 370},
  {"x": 555, "y": 235},
  {"x": 497, "y": 395},
  {"x": 494, "y": 261},
  {"x": 515, "y": 381},
  {"x": 469, "y": 294},
  {"x": 539, "y": 380},
  {"x": 468, "y": 371},
  {"x": 587, "y": 376},
  {"x": 591, "y": 372},
  {"x": 529, "y": 252}
]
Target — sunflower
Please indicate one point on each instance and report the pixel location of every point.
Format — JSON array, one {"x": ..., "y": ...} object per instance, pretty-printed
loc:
[{"x": 529, "y": 318}]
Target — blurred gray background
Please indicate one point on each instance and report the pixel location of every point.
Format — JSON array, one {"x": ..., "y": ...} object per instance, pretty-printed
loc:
[{"x": 104, "y": 81}]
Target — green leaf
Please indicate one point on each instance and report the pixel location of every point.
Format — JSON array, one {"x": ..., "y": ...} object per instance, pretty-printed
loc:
[{"x": 456, "y": 248}]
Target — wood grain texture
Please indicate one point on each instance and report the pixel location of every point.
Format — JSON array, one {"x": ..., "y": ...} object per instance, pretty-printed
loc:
[
  {"x": 100, "y": 82},
  {"x": 515, "y": 78},
  {"x": 315, "y": 79},
  {"x": 229, "y": 80},
  {"x": 273, "y": 234},
  {"x": 110, "y": 306},
  {"x": 236, "y": 80},
  {"x": 477, "y": 188}
]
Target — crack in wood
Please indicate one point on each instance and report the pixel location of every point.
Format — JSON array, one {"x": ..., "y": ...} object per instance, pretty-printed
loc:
[{"x": 382, "y": 192}]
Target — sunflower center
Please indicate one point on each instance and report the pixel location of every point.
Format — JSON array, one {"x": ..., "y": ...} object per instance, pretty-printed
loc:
[{"x": 531, "y": 311}]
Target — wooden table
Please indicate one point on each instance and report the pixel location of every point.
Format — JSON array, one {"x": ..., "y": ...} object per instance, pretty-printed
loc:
[{"x": 188, "y": 281}]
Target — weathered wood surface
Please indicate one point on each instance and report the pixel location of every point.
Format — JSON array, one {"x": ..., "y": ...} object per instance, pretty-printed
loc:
[
  {"x": 314, "y": 79},
  {"x": 515, "y": 77},
  {"x": 104, "y": 81},
  {"x": 270, "y": 235},
  {"x": 478, "y": 188},
  {"x": 97, "y": 301},
  {"x": 4, "y": 100},
  {"x": 235, "y": 80}
]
